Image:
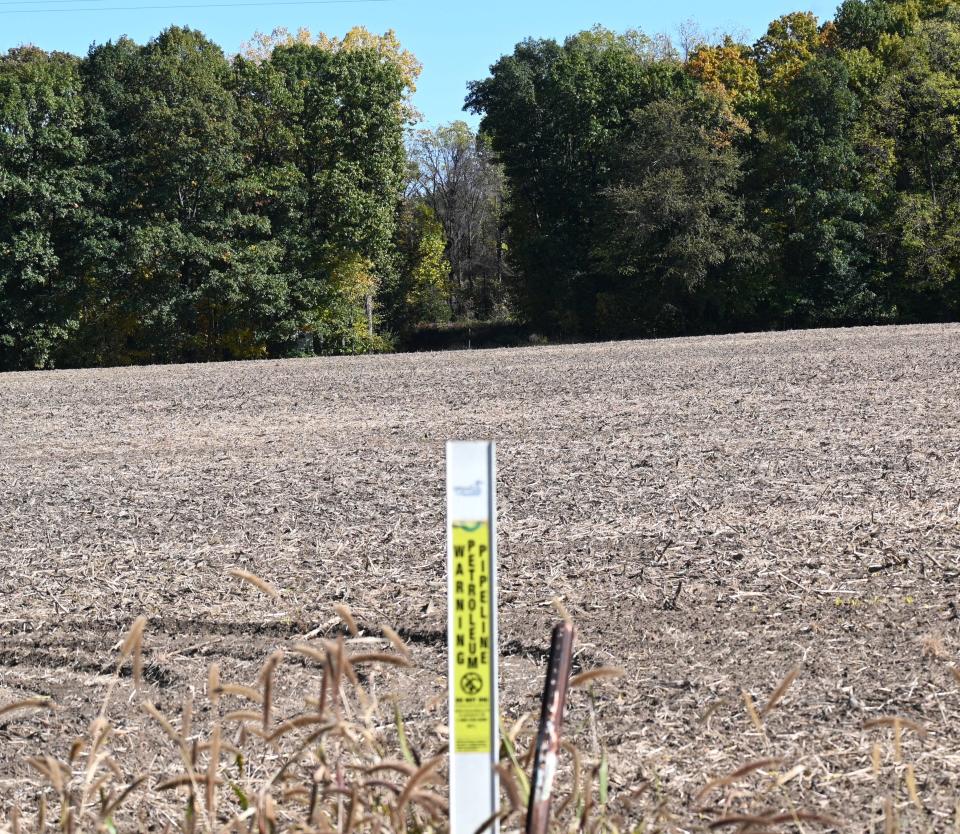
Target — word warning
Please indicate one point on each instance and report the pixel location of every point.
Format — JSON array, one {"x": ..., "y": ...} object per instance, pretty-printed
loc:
[{"x": 472, "y": 647}]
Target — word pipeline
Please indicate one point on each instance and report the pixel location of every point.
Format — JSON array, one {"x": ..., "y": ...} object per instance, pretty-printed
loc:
[{"x": 471, "y": 615}]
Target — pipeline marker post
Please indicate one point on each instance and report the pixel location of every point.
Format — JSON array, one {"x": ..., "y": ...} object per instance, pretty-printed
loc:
[{"x": 472, "y": 635}]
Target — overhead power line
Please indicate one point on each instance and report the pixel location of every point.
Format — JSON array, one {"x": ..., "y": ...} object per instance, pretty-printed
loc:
[
  {"x": 45, "y": 2},
  {"x": 48, "y": 10}
]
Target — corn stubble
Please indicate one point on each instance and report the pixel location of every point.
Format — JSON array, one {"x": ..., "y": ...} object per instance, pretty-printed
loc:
[
  {"x": 343, "y": 762},
  {"x": 235, "y": 760},
  {"x": 800, "y": 489}
]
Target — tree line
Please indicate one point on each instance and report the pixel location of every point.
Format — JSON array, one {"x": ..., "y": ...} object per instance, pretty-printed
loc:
[
  {"x": 163, "y": 202},
  {"x": 808, "y": 179}
]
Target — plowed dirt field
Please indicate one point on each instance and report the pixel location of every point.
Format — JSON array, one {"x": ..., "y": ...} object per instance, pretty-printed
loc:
[{"x": 712, "y": 512}]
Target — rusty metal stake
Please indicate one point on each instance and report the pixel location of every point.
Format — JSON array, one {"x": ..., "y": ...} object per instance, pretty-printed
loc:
[{"x": 551, "y": 729}]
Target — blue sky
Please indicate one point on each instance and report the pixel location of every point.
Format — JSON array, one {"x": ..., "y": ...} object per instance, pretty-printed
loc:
[{"x": 456, "y": 42}]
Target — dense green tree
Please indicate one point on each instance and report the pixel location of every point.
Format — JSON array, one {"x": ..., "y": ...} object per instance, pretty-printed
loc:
[
  {"x": 923, "y": 120},
  {"x": 386, "y": 46},
  {"x": 44, "y": 220},
  {"x": 556, "y": 115},
  {"x": 675, "y": 246},
  {"x": 251, "y": 208},
  {"x": 865, "y": 24},
  {"x": 162, "y": 204},
  {"x": 809, "y": 198},
  {"x": 183, "y": 281},
  {"x": 323, "y": 143}
]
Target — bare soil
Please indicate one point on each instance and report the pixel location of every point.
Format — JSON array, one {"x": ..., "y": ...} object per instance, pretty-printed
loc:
[{"x": 711, "y": 511}]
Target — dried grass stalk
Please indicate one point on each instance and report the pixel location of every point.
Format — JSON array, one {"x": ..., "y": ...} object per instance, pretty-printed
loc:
[
  {"x": 781, "y": 690},
  {"x": 735, "y": 776},
  {"x": 242, "y": 716},
  {"x": 27, "y": 703},
  {"x": 378, "y": 657},
  {"x": 266, "y": 678},
  {"x": 424, "y": 773},
  {"x": 896, "y": 721},
  {"x": 345, "y": 614},
  {"x": 299, "y": 722},
  {"x": 161, "y": 719},
  {"x": 213, "y": 684},
  {"x": 213, "y": 768},
  {"x": 601, "y": 673},
  {"x": 403, "y": 768},
  {"x": 754, "y": 716},
  {"x": 252, "y": 579},
  {"x": 181, "y": 780},
  {"x": 396, "y": 641},
  {"x": 311, "y": 652},
  {"x": 910, "y": 778},
  {"x": 133, "y": 645},
  {"x": 247, "y": 692}
]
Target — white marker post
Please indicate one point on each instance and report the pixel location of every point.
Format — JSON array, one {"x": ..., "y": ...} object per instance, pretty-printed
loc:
[{"x": 472, "y": 634}]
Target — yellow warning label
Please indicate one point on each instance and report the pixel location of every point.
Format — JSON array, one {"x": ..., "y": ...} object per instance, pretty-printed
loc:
[{"x": 472, "y": 636}]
